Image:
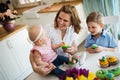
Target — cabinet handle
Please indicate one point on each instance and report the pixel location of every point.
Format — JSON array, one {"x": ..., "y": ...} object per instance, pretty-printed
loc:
[{"x": 9, "y": 44}]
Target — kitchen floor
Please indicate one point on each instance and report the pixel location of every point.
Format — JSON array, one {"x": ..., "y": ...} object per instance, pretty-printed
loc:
[{"x": 35, "y": 76}]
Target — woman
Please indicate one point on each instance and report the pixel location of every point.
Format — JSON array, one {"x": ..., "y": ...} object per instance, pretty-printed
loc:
[{"x": 65, "y": 29}]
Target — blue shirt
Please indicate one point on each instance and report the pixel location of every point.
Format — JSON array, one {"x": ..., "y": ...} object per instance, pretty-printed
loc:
[{"x": 105, "y": 39}]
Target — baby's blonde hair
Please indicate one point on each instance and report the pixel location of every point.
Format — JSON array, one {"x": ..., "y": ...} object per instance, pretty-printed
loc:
[{"x": 35, "y": 32}]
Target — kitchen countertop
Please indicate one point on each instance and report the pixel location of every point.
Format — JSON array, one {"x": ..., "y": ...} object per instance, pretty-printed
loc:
[
  {"x": 56, "y": 6},
  {"x": 4, "y": 34}
]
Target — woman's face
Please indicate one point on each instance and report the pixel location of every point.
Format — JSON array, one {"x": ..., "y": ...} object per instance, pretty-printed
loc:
[
  {"x": 63, "y": 20},
  {"x": 94, "y": 28}
]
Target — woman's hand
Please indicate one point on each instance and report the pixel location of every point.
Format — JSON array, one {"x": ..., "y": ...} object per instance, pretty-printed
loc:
[
  {"x": 56, "y": 46},
  {"x": 70, "y": 50}
]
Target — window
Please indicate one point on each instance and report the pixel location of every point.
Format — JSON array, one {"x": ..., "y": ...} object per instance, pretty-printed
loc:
[
  {"x": 28, "y": 1},
  {"x": 25, "y": 3}
]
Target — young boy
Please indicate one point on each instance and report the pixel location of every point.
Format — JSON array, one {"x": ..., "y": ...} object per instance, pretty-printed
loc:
[
  {"x": 104, "y": 40},
  {"x": 43, "y": 54}
]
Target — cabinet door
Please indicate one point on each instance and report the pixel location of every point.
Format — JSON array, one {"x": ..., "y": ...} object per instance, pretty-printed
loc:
[
  {"x": 2, "y": 77},
  {"x": 9, "y": 69},
  {"x": 14, "y": 55},
  {"x": 20, "y": 52}
]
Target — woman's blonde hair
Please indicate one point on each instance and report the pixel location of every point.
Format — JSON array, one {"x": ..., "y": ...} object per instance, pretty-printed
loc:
[{"x": 75, "y": 21}]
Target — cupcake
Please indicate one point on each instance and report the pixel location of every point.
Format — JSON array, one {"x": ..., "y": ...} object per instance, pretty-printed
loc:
[
  {"x": 110, "y": 76},
  {"x": 112, "y": 60},
  {"x": 102, "y": 74},
  {"x": 64, "y": 46},
  {"x": 115, "y": 71},
  {"x": 103, "y": 62},
  {"x": 94, "y": 46}
]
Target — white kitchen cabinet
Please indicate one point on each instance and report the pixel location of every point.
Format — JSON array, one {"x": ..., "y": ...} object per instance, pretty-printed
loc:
[{"x": 14, "y": 56}]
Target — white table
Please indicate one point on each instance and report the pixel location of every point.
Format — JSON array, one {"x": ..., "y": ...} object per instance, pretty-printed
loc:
[{"x": 90, "y": 63}]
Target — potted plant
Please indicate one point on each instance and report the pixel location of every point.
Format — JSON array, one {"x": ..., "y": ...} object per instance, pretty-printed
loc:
[{"x": 7, "y": 17}]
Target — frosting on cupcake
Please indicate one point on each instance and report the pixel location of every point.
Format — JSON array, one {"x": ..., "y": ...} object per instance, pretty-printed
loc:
[
  {"x": 94, "y": 46},
  {"x": 112, "y": 60},
  {"x": 64, "y": 45},
  {"x": 103, "y": 62},
  {"x": 101, "y": 74}
]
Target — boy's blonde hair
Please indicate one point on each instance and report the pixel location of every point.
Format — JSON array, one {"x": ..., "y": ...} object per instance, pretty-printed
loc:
[
  {"x": 95, "y": 17},
  {"x": 35, "y": 32}
]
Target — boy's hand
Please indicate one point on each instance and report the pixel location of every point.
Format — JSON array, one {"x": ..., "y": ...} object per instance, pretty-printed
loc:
[
  {"x": 96, "y": 50},
  {"x": 91, "y": 50},
  {"x": 99, "y": 49}
]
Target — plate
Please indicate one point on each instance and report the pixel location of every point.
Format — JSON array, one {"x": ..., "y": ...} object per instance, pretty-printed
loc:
[{"x": 110, "y": 66}]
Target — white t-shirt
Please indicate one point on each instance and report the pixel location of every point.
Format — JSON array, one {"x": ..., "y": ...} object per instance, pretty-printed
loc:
[{"x": 56, "y": 38}]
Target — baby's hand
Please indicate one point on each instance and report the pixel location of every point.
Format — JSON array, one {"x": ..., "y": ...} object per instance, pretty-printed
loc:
[
  {"x": 45, "y": 64},
  {"x": 51, "y": 66},
  {"x": 72, "y": 59}
]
